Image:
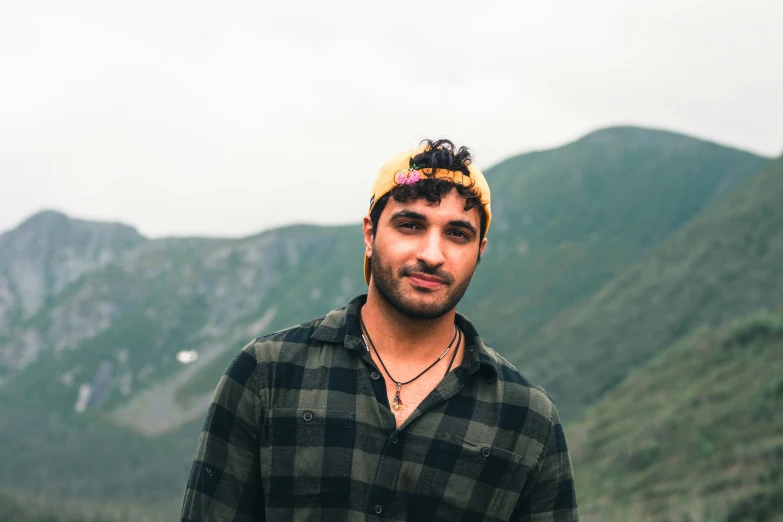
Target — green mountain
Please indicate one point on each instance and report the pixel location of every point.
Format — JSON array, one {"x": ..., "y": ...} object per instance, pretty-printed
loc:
[
  {"x": 695, "y": 435},
  {"x": 724, "y": 264},
  {"x": 101, "y": 379},
  {"x": 565, "y": 221}
]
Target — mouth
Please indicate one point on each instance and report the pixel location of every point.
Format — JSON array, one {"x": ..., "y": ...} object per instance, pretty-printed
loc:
[{"x": 426, "y": 281}]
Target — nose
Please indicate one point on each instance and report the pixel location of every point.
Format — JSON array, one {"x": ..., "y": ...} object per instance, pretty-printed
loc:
[{"x": 430, "y": 250}]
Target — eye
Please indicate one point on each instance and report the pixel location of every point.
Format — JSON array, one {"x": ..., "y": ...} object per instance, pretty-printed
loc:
[
  {"x": 459, "y": 234},
  {"x": 408, "y": 225}
]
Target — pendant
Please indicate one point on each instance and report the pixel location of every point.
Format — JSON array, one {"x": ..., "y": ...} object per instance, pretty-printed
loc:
[{"x": 397, "y": 402}]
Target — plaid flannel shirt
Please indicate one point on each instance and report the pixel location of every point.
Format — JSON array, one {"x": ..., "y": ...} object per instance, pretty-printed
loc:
[{"x": 300, "y": 429}]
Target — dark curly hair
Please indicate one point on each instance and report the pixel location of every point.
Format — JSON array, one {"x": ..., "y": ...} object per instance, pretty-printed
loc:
[{"x": 440, "y": 154}]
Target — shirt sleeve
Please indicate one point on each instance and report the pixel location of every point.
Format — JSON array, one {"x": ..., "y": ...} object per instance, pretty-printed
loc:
[
  {"x": 225, "y": 479},
  {"x": 552, "y": 497}
]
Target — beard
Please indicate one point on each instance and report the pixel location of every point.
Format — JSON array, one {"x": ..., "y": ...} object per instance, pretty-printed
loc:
[{"x": 389, "y": 285}]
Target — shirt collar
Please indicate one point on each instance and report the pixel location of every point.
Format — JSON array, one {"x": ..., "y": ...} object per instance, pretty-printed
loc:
[{"x": 341, "y": 326}]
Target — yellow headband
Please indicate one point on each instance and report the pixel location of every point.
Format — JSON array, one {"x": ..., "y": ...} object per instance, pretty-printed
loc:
[{"x": 400, "y": 170}]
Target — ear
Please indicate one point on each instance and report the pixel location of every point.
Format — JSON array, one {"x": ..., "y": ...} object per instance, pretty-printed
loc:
[
  {"x": 368, "y": 232},
  {"x": 482, "y": 246}
]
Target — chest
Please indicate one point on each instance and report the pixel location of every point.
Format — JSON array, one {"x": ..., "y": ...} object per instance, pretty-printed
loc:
[
  {"x": 413, "y": 387},
  {"x": 404, "y": 399},
  {"x": 457, "y": 460}
]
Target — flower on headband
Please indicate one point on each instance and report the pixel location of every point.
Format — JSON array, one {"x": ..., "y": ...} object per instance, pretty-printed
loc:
[{"x": 409, "y": 176}]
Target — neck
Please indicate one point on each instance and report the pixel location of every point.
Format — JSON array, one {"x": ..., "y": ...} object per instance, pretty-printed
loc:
[{"x": 400, "y": 335}]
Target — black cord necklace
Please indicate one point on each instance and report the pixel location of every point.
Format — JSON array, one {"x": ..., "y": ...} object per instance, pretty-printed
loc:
[{"x": 397, "y": 402}]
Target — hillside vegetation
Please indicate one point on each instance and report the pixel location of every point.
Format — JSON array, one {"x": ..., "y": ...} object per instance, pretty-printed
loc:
[
  {"x": 726, "y": 263},
  {"x": 17, "y": 506},
  {"x": 696, "y": 435}
]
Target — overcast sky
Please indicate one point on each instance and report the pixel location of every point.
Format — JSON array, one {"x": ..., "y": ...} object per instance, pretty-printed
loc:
[{"x": 210, "y": 118}]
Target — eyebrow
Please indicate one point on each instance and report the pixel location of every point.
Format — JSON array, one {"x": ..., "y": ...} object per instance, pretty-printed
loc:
[{"x": 409, "y": 214}]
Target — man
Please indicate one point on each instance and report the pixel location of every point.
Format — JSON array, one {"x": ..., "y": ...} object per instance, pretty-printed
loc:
[{"x": 391, "y": 407}]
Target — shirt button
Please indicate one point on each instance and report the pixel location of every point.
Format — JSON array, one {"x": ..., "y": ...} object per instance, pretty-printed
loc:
[
  {"x": 394, "y": 439},
  {"x": 485, "y": 452},
  {"x": 375, "y": 376},
  {"x": 308, "y": 416},
  {"x": 378, "y": 509}
]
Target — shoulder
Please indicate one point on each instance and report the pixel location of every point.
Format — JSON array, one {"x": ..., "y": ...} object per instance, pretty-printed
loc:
[
  {"x": 289, "y": 341},
  {"x": 257, "y": 361},
  {"x": 516, "y": 389},
  {"x": 519, "y": 398},
  {"x": 297, "y": 343},
  {"x": 328, "y": 329}
]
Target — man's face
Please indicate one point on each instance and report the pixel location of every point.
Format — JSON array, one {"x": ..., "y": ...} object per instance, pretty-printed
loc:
[{"x": 423, "y": 254}]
